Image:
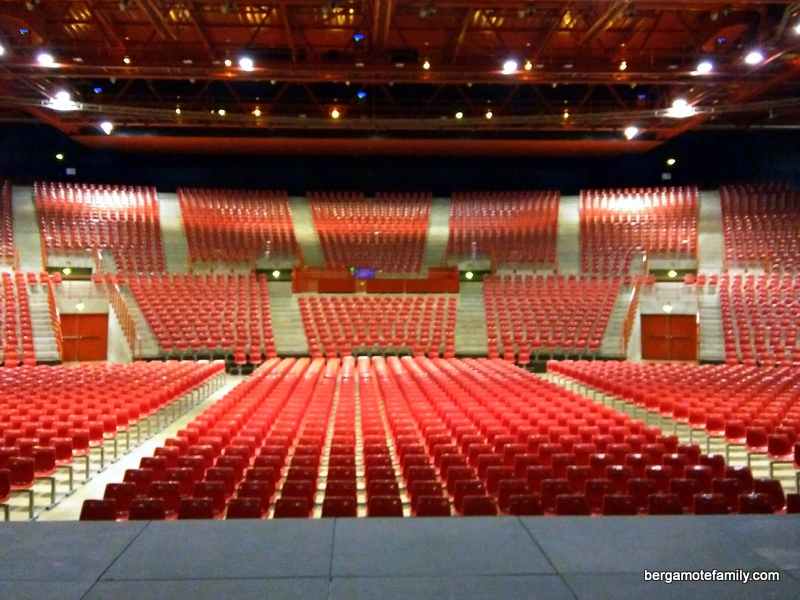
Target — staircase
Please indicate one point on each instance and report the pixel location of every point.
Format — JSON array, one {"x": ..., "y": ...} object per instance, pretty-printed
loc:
[
  {"x": 611, "y": 345},
  {"x": 470, "y": 336},
  {"x": 150, "y": 345},
  {"x": 438, "y": 231},
  {"x": 287, "y": 325},
  {"x": 568, "y": 242},
  {"x": 710, "y": 237},
  {"x": 712, "y": 342},
  {"x": 44, "y": 339},
  {"x": 26, "y": 229},
  {"x": 306, "y": 233},
  {"x": 176, "y": 250}
]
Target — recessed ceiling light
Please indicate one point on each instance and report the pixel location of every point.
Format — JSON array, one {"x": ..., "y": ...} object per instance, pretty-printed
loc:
[
  {"x": 754, "y": 57},
  {"x": 667, "y": 308}
]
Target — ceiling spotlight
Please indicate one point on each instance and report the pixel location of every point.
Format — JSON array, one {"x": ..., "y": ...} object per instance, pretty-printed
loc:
[
  {"x": 667, "y": 308},
  {"x": 797, "y": 29},
  {"x": 426, "y": 65},
  {"x": 670, "y": 162},
  {"x": 528, "y": 65},
  {"x": 46, "y": 60},
  {"x": 246, "y": 63},
  {"x": 754, "y": 57},
  {"x": 62, "y": 102},
  {"x": 680, "y": 109},
  {"x": 80, "y": 306},
  {"x": 107, "y": 127},
  {"x": 221, "y": 112},
  {"x": 126, "y": 60},
  {"x": 566, "y": 114},
  {"x": 257, "y": 112},
  {"x": 335, "y": 114},
  {"x": 178, "y": 110},
  {"x": 59, "y": 156},
  {"x": 509, "y": 67},
  {"x": 704, "y": 67},
  {"x": 2, "y": 50},
  {"x": 631, "y": 132},
  {"x": 489, "y": 114},
  {"x": 623, "y": 65},
  {"x": 459, "y": 115},
  {"x": 228, "y": 62}
]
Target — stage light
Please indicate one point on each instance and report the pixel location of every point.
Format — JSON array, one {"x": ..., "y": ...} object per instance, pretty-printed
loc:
[
  {"x": 246, "y": 63},
  {"x": 2, "y": 50},
  {"x": 426, "y": 65},
  {"x": 126, "y": 60},
  {"x": 62, "y": 102},
  {"x": 257, "y": 112},
  {"x": 797, "y": 29},
  {"x": 631, "y": 132},
  {"x": 59, "y": 156},
  {"x": 670, "y": 162},
  {"x": 46, "y": 60},
  {"x": 528, "y": 65},
  {"x": 361, "y": 95},
  {"x": 704, "y": 67},
  {"x": 335, "y": 113},
  {"x": 107, "y": 127},
  {"x": 566, "y": 114},
  {"x": 754, "y": 57},
  {"x": 358, "y": 37},
  {"x": 510, "y": 66},
  {"x": 623, "y": 65},
  {"x": 489, "y": 114},
  {"x": 459, "y": 115},
  {"x": 178, "y": 110},
  {"x": 228, "y": 62},
  {"x": 221, "y": 112},
  {"x": 98, "y": 90},
  {"x": 680, "y": 109}
]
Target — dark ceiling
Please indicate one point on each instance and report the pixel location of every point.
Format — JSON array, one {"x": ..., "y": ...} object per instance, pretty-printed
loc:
[{"x": 397, "y": 69}]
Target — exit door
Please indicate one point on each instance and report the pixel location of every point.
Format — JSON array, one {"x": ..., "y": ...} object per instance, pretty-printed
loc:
[
  {"x": 85, "y": 337},
  {"x": 669, "y": 337}
]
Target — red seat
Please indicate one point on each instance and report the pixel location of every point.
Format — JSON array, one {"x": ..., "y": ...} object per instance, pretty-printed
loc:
[
  {"x": 342, "y": 489},
  {"x": 575, "y": 505},
  {"x": 525, "y": 505},
  {"x": 755, "y": 504},
  {"x": 261, "y": 489},
  {"x": 773, "y": 489},
  {"x": 244, "y": 508},
  {"x": 196, "y": 508},
  {"x": 93, "y": 510},
  {"x": 214, "y": 491},
  {"x": 551, "y": 488},
  {"x": 432, "y": 506},
  {"x": 664, "y": 504},
  {"x": 170, "y": 493},
  {"x": 710, "y": 504},
  {"x": 292, "y": 507},
  {"x": 507, "y": 488},
  {"x": 618, "y": 505},
  {"x": 333, "y": 506},
  {"x": 473, "y": 506},
  {"x": 384, "y": 506},
  {"x": 299, "y": 489},
  {"x": 147, "y": 509},
  {"x": 122, "y": 494}
]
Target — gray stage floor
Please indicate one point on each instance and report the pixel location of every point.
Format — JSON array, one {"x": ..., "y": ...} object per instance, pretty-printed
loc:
[{"x": 466, "y": 558}]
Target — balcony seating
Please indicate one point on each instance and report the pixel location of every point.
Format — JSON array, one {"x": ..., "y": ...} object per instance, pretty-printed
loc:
[
  {"x": 616, "y": 223},
  {"x": 193, "y": 315},
  {"x": 760, "y": 224},
  {"x": 505, "y": 227},
  {"x": 16, "y": 330},
  {"x": 123, "y": 220},
  {"x": 237, "y": 226},
  {"x": 386, "y": 233},
  {"x": 341, "y": 326},
  {"x": 547, "y": 315},
  {"x": 760, "y": 317}
]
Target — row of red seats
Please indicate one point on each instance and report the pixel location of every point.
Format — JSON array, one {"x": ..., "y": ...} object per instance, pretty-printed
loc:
[
  {"x": 387, "y": 233},
  {"x": 15, "y": 321},
  {"x": 616, "y": 223},
  {"x": 756, "y": 407},
  {"x": 760, "y": 224},
  {"x": 124, "y": 220},
  {"x": 760, "y": 318},
  {"x": 50, "y": 416},
  {"x": 6, "y": 220},
  {"x": 552, "y": 314},
  {"x": 508, "y": 227},
  {"x": 190, "y": 314},
  {"x": 336, "y": 326},
  {"x": 236, "y": 225}
]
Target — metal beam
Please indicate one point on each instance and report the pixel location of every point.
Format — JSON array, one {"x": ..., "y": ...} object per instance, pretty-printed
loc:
[
  {"x": 157, "y": 19},
  {"x": 604, "y": 22}
]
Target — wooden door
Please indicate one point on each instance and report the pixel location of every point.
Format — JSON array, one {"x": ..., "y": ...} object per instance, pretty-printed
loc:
[
  {"x": 85, "y": 337},
  {"x": 669, "y": 337}
]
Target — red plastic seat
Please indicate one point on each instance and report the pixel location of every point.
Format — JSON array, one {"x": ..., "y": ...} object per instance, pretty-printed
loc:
[
  {"x": 147, "y": 509},
  {"x": 710, "y": 504},
  {"x": 473, "y": 506},
  {"x": 575, "y": 505},
  {"x": 618, "y": 505},
  {"x": 432, "y": 506},
  {"x": 664, "y": 504},
  {"x": 384, "y": 506},
  {"x": 292, "y": 507},
  {"x": 95, "y": 510},
  {"x": 244, "y": 508},
  {"x": 196, "y": 508},
  {"x": 755, "y": 504}
]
